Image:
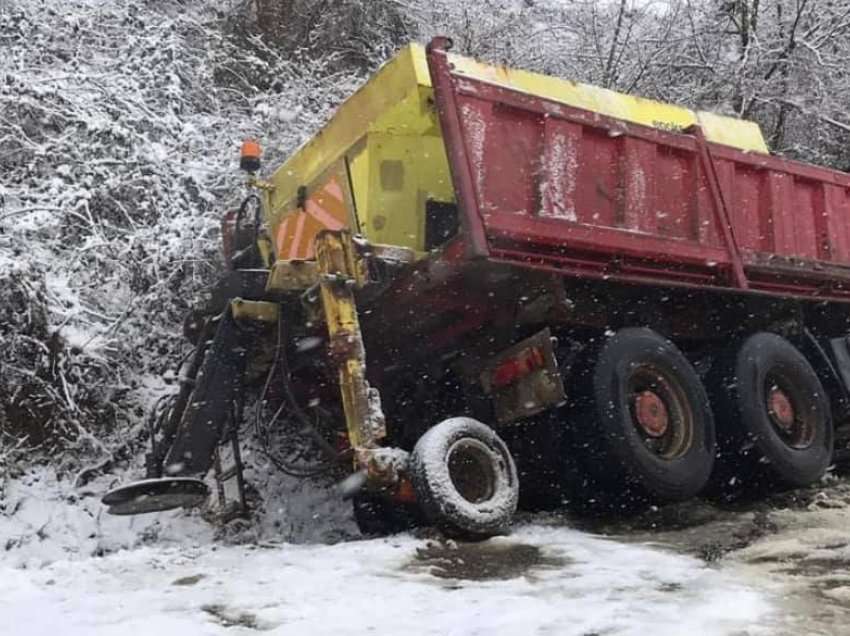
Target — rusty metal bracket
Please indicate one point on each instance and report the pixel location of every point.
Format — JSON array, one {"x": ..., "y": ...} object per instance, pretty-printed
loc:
[
  {"x": 292, "y": 275},
  {"x": 254, "y": 182},
  {"x": 383, "y": 466}
]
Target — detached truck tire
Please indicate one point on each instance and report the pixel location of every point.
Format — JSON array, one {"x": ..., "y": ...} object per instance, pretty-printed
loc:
[
  {"x": 465, "y": 478},
  {"x": 646, "y": 420},
  {"x": 773, "y": 413}
]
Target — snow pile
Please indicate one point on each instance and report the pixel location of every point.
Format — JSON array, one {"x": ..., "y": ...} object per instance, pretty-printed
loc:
[
  {"x": 45, "y": 519},
  {"x": 294, "y": 509},
  {"x": 807, "y": 560}
]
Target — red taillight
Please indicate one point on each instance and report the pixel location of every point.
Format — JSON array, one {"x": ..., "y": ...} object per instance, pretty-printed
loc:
[{"x": 519, "y": 366}]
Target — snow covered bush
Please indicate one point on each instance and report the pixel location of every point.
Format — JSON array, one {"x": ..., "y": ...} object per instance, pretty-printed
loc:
[
  {"x": 119, "y": 126},
  {"x": 361, "y": 33},
  {"x": 51, "y": 394}
]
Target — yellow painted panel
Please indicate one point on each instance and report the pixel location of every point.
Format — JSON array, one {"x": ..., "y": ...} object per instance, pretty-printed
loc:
[
  {"x": 393, "y": 177},
  {"x": 738, "y": 133},
  {"x": 385, "y": 90}
]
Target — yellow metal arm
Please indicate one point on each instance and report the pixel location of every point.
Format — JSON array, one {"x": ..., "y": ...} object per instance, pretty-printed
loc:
[{"x": 340, "y": 272}]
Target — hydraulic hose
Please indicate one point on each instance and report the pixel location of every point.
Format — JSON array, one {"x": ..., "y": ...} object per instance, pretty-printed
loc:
[{"x": 280, "y": 360}]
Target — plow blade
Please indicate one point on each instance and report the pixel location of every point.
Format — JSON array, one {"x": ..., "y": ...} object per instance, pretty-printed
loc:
[{"x": 154, "y": 495}]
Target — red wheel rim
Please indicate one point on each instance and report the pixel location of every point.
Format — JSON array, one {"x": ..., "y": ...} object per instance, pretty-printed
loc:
[
  {"x": 651, "y": 413},
  {"x": 785, "y": 403},
  {"x": 660, "y": 411},
  {"x": 780, "y": 408}
]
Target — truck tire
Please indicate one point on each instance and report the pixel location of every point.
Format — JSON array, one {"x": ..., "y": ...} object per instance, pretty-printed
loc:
[
  {"x": 646, "y": 429},
  {"x": 465, "y": 478},
  {"x": 773, "y": 412}
]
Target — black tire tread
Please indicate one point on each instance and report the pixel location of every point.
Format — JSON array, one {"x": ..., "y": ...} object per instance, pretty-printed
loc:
[
  {"x": 611, "y": 449},
  {"x": 748, "y": 449},
  {"x": 440, "y": 510}
]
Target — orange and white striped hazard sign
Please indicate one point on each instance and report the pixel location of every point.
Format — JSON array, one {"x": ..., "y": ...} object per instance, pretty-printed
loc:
[{"x": 324, "y": 209}]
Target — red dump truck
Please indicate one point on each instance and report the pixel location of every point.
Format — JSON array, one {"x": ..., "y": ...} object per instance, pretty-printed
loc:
[{"x": 477, "y": 286}]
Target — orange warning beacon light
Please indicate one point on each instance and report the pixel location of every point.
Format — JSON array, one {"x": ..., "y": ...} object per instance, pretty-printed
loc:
[{"x": 249, "y": 157}]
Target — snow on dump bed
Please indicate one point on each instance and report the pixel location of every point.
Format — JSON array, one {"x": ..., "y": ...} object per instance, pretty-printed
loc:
[{"x": 581, "y": 585}]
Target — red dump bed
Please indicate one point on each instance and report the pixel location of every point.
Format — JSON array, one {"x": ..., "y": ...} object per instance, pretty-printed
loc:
[{"x": 554, "y": 187}]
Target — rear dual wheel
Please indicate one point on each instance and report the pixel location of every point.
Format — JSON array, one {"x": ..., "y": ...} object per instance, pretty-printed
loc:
[
  {"x": 646, "y": 421},
  {"x": 773, "y": 413},
  {"x": 648, "y": 428}
]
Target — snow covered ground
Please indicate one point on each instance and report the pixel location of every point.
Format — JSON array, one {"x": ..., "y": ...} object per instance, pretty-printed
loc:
[
  {"x": 540, "y": 580},
  {"x": 777, "y": 565}
]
